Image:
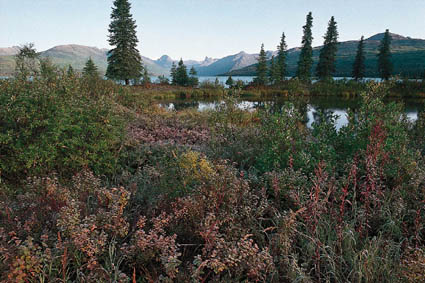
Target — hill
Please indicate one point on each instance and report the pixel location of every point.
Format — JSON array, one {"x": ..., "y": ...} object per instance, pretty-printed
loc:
[
  {"x": 408, "y": 56},
  {"x": 9, "y": 51},
  {"x": 74, "y": 55}
]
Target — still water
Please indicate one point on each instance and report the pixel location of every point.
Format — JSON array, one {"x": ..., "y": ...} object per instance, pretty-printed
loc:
[
  {"x": 221, "y": 79},
  {"x": 310, "y": 106},
  {"x": 246, "y": 79}
]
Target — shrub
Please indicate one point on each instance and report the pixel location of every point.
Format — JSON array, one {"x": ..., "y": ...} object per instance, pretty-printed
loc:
[{"x": 62, "y": 126}]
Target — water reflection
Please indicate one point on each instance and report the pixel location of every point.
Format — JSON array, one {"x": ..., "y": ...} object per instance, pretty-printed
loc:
[{"x": 313, "y": 109}]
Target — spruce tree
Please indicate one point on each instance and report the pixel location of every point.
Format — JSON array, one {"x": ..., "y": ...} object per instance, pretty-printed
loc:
[
  {"x": 90, "y": 69},
  {"x": 163, "y": 80},
  {"x": 274, "y": 71},
  {"x": 305, "y": 61},
  {"x": 193, "y": 79},
  {"x": 281, "y": 59},
  {"x": 327, "y": 58},
  {"x": 124, "y": 61},
  {"x": 182, "y": 78},
  {"x": 173, "y": 74},
  {"x": 70, "y": 72},
  {"x": 359, "y": 67},
  {"x": 261, "y": 78},
  {"x": 230, "y": 82},
  {"x": 385, "y": 66},
  {"x": 146, "y": 79}
]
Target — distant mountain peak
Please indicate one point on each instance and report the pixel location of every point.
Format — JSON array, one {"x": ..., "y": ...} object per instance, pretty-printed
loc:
[
  {"x": 270, "y": 53},
  {"x": 394, "y": 36},
  {"x": 164, "y": 57},
  {"x": 208, "y": 61},
  {"x": 164, "y": 62}
]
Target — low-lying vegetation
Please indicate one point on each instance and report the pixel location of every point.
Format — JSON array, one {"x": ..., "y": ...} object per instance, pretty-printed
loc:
[
  {"x": 99, "y": 185},
  {"x": 344, "y": 88}
]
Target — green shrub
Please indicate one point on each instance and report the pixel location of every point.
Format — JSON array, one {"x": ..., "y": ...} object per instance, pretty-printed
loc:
[{"x": 61, "y": 126}]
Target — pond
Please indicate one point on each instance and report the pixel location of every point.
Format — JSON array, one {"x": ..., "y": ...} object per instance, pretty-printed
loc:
[{"x": 311, "y": 106}]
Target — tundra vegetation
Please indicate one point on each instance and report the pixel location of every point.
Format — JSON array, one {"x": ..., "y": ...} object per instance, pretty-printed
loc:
[{"x": 99, "y": 184}]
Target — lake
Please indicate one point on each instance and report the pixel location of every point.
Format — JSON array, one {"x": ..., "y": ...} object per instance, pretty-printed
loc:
[
  {"x": 221, "y": 79},
  {"x": 311, "y": 106},
  {"x": 246, "y": 79}
]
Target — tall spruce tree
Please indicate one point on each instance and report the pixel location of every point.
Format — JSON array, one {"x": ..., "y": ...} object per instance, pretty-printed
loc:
[
  {"x": 173, "y": 74},
  {"x": 261, "y": 78},
  {"x": 385, "y": 66},
  {"x": 124, "y": 61},
  {"x": 359, "y": 67},
  {"x": 305, "y": 61},
  {"x": 274, "y": 71},
  {"x": 182, "y": 78},
  {"x": 193, "y": 78},
  {"x": 327, "y": 58},
  {"x": 281, "y": 58}
]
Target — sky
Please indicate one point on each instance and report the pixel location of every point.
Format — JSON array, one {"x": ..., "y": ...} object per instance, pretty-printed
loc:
[{"x": 194, "y": 29}]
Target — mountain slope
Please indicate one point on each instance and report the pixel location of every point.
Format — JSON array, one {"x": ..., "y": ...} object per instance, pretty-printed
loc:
[
  {"x": 166, "y": 62},
  {"x": 9, "y": 51},
  {"x": 74, "y": 55},
  {"x": 226, "y": 64},
  {"x": 408, "y": 57},
  {"x": 7, "y": 65}
]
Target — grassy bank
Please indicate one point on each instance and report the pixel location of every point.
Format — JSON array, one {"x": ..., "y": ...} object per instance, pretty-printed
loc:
[
  {"x": 290, "y": 88},
  {"x": 100, "y": 185}
]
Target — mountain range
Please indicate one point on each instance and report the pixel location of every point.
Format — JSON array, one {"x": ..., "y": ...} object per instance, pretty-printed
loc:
[{"x": 408, "y": 58}]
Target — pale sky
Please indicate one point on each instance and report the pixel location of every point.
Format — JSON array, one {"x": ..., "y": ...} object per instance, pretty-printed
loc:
[{"x": 193, "y": 29}]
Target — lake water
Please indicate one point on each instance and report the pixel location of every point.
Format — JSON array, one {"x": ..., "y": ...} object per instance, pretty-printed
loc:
[
  {"x": 245, "y": 79},
  {"x": 310, "y": 106},
  {"x": 221, "y": 79}
]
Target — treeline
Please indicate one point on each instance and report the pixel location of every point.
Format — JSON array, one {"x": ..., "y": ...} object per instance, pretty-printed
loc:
[
  {"x": 276, "y": 71},
  {"x": 180, "y": 77}
]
